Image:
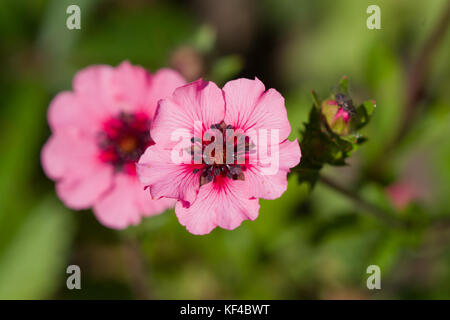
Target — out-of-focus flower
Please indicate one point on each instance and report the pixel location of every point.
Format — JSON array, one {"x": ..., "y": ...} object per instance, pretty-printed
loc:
[
  {"x": 99, "y": 131},
  {"x": 220, "y": 186},
  {"x": 403, "y": 193}
]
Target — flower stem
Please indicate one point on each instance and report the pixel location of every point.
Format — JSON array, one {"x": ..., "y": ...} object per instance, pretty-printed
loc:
[
  {"x": 136, "y": 267},
  {"x": 361, "y": 202},
  {"x": 419, "y": 71}
]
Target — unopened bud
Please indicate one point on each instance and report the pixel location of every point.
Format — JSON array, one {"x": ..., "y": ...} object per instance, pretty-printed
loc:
[{"x": 337, "y": 118}]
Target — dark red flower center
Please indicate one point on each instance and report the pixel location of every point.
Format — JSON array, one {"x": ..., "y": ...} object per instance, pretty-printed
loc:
[
  {"x": 228, "y": 160},
  {"x": 124, "y": 139}
]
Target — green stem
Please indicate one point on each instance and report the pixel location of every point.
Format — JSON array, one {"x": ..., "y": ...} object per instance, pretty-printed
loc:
[
  {"x": 361, "y": 202},
  {"x": 137, "y": 267}
]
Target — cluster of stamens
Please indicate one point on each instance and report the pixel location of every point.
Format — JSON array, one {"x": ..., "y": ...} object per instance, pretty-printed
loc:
[
  {"x": 123, "y": 140},
  {"x": 228, "y": 160}
]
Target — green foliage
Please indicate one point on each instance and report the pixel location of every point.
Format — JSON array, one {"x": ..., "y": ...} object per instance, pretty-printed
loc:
[
  {"x": 145, "y": 35},
  {"x": 33, "y": 262}
]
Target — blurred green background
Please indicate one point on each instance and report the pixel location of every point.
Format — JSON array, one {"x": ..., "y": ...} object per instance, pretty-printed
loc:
[{"x": 314, "y": 245}]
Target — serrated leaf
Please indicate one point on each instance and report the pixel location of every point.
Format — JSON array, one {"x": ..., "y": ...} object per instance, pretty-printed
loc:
[
  {"x": 361, "y": 118},
  {"x": 316, "y": 99},
  {"x": 369, "y": 106}
]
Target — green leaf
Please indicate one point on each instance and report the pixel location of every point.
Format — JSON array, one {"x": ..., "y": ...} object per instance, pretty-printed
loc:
[
  {"x": 369, "y": 106},
  {"x": 33, "y": 263},
  {"x": 26, "y": 104},
  {"x": 343, "y": 85},
  {"x": 145, "y": 36},
  {"x": 316, "y": 99}
]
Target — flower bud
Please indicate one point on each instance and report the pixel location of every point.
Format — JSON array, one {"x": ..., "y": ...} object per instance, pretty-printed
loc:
[{"x": 337, "y": 118}]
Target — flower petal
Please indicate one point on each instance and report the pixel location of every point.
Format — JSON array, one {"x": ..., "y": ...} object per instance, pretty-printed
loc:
[
  {"x": 162, "y": 85},
  {"x": 200, "y": 101},
  {"x": 82, "y": 192},
  {"x": 150, "y": 207},
  {"x": 129, "y": 87},
  {"x": 265, "y": 186},
  {"x": 268, "y": 179},
  {"x": 248, "y": 107},
  {"x": 225, "y": 206},
  {"x": 166, "y": 178},
  {"x": 124, "y": 205},
  {"x": 71, "y": 159},
  {"x": 66, "y": 112},
  {"x": 93, "y": 87},
  {"x": 290, "y": 154},
  {"x": 69, "y": 153}
]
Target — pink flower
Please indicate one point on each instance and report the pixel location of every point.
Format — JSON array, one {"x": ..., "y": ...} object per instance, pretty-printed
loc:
[
  {"x": 403, "y": 193},
  {"x": 214, "y": 191},
  {"x": 100, "y": 129}
]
